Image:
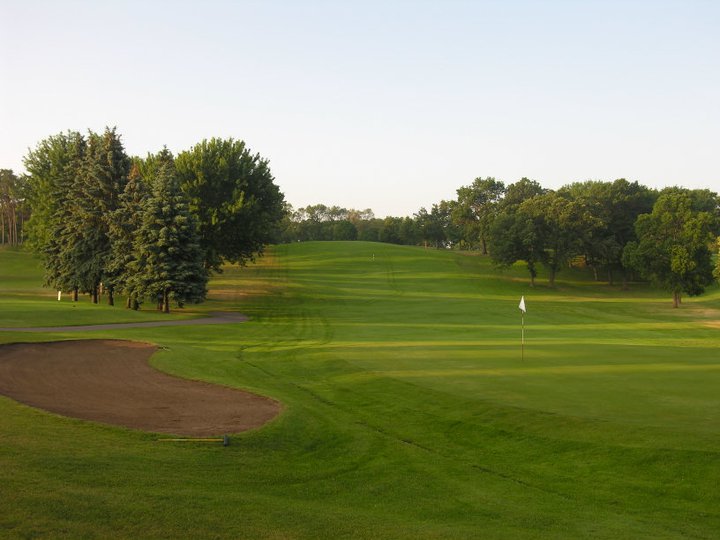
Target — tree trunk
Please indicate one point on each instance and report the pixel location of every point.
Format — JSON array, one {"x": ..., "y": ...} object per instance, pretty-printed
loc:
[
  {"x": 13, "y": 240},
  {"x": 484, "y": 246},
  {"x": 111, "y": 296},
  {"x": 166, "y": 301},
  {"x": 128, "y": 302},
  {"x": 75, "y": 294},
  {"x": 610, "y": 275},
  {"x": 135, "y": 303},
  {"x": 676, "y": 299},
  {"x": 95, "y": 295}
]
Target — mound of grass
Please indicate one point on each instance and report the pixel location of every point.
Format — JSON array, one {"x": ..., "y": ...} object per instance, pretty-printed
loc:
[{"x": 409, "y": 411}]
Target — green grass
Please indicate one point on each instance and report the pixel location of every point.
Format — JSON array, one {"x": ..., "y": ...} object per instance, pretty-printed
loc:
[
  {"x": 25, "y": 303},
  {"x": 408, "y": 410}
]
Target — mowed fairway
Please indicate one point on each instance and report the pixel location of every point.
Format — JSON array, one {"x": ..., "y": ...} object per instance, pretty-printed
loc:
[{"x": 408, "y": 412}]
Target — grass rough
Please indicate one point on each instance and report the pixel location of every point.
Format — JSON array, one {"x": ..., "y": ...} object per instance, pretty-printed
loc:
[{"x": 408, "y": 410}]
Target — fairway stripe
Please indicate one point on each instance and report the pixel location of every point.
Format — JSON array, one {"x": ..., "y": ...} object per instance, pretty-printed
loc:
[{"x": 550, "y": 370}]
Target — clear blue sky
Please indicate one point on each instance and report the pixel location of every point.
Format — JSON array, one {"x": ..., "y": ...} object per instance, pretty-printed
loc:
[{"x": 390, "y": 105}]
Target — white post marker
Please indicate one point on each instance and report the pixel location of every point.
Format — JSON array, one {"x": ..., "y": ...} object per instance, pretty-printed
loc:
[
  {"x": 59, "y": 295},
  {"x": 522, "y": 331}
]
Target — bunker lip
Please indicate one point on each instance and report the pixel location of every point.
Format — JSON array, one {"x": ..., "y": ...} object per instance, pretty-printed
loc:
[{"x": 110, "y": 381}]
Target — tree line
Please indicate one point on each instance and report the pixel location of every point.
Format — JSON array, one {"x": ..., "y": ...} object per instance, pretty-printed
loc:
[
  {"x": 156, "y": 227},
  {"x": 621, "y": 230},
  {"x": 13, "y": 210},
  {"x": 150, "y": 228}
]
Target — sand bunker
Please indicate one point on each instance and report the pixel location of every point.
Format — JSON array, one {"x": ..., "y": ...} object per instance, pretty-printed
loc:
[{"x": 110, "y": 381}]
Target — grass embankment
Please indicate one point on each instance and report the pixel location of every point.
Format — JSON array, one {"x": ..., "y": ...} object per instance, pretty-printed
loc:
[{"x": 409, "y": 412}]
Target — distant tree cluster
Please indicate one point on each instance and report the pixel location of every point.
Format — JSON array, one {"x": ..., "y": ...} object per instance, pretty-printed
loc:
[
  {"x": 149, "y": 228},
  {"x": 13, "y": 210},
  {"x": 618, "y": 229}
]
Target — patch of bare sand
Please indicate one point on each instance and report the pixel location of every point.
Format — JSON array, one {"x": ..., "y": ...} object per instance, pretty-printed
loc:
[{"x": 110, "y": 381}]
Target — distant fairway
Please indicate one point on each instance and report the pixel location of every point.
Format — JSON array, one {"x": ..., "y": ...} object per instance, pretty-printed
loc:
[{"x": 408, "y": 410}]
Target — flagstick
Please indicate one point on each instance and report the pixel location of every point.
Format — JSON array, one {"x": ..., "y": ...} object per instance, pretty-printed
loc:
[{"x": 522, "y": 338}]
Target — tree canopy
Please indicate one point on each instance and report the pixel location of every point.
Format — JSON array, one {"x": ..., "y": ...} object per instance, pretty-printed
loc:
[
  {"x": 148, "y": 228},
  {"x": 674, "y": 245},
  {"x": 590, "y": 224},
  {"x": 233, "y": 196},
  {"x": 83, "y": 203}
]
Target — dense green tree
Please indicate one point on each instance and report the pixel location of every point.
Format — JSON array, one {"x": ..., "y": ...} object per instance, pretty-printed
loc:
[
  {"x": 125, "y": 222},
  {"x": 391, "y": 231},
  {"x": 73, "y": 183},
  {"x": 365, "y": 224},
  {"x": 51, "y": 167},
  {"x": 674, "y": 245},
  {"x": 546, "y": 228},
  {"x": 12, "y": 208},
  {"x": 168, "y": 262},
  {"x": 102, "y": 179},
  {"x": 477, "y": 206},
  {"x": 556, "y": 227},
  {"x": 616, "y": 206},
  {"x": 514, "y": 237},
  {"x": 233, "y": 197},
  {"x": 436, "y": 227},
  {"x": 518, "y": 192},
  {"x": 409, "y": 232},
  {"x": 369, "y": 230},
  {"x": 54, "y": 169},
  {"x": 344, "y": 230}
]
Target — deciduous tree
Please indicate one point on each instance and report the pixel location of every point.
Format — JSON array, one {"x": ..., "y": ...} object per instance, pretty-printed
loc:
[
  {"x": 673, "y": 246},
  {"x": 234, "y": 199},
  {"x": 477, "y": 205}
]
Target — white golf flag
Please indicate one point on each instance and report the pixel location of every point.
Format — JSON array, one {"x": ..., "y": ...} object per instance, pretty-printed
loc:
[{"x": 522, "y": 304}]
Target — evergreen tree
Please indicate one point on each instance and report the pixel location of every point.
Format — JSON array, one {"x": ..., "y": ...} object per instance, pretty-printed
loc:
[
  {"x": 102, "y": 180},
  {"x": 124, "y": 224},
  {"x": 47, "y": 169},
  {"x": 169, "y": 260},
  {"x": 55, "y": 170}
]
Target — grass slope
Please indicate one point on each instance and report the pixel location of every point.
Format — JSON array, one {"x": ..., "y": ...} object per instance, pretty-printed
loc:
[{"x": 409, "y": 412}]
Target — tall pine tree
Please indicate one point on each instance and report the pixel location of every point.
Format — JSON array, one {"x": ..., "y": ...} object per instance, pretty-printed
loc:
[
  {"x": 169, "y": 261},
  {"x": 57, "y": 240},
  {"x": 123, "y": 226},
  {"x": 102, "y": 179}
]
